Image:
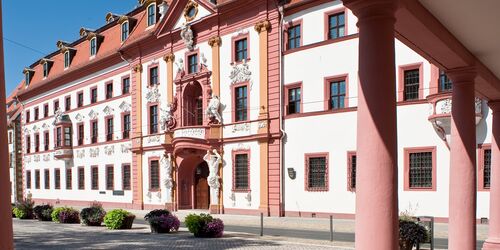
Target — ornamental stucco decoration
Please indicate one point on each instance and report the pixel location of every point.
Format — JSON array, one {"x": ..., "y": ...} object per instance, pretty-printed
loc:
[
  {"x": 212, "y": 110},
  {"x": 94, "y": 152},
  {"x": 478, "y": 105},
  {"x": 262, "y": 124},
  {"x": 125, "y": 106},
  {"x": 153, "y": 94},
  {"x": 166, "y": 163},
  {"x": 46, "y": 157},
  {"x": 203, "y": 61},
  {"x": 245, "y": 127},
  {"x": 36, "y": 158},
  {"x": 154, "y": 138},
  {"x": 232, "y": 197},
  {"x": 79, "y": 117},
  {"x": 180, "y": 65},
  {"x": 35, "y": 129},
  {"x": 57, "y": 116},
  {"x": 93, "y": 115},
  {"x": 446, "y": 106},
  {"x": 126, "y": 148},
  {"x": 242, "y": 146},
  {"x": 109, "y": 150},
  {"x": 27, "y": 159},
  {"x": 108, "y": 110},
  {"x": 213, "y": 161},
  {"x": 187, "y": 36},
  {"x": 167, "y": 119},
  {"x": 26, "y": 131},
  {"x": 248, "y": 197},
  {"x": 80, "y": 154},
  {"x": 240, "y": 73},
  {"x": 45, "y": 126}
]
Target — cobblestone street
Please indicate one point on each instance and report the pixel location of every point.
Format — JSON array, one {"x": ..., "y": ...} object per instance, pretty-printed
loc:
[{"x": 32, "y": 234}]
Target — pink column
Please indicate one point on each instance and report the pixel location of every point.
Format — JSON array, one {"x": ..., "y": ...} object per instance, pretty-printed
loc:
[
  {"x": 377, "y": 225},
  {"x": 6, "y": 236},
  {"x": 462, "y": 199},
  {"x": 493, "y": 241}
]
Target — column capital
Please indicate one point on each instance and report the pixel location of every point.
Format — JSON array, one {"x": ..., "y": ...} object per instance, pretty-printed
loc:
[
  {"x": 214, "y": 41},
  {"x": 368, "y": 9},
  {"x": 494, "y": 106},
  {"x": 462, "y": 75},
  {"x": 263, "y": 25},
  {"x": 137, "y": 68},
  {"x": 169, "y": 57}
]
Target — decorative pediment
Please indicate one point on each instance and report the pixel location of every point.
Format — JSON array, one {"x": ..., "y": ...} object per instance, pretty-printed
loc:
[
  {"x": 108, "y": 110},
  {"x": 125, "y": 106},
  {"x": 109, "y": 150},
  {"x": 79, "y": 117},
  {"x": 36, "y": 129},
  {"x": 240, "y": 73},
  {"x": 45, "y": 126},
  {"x": 93, "y": 115},
  {"x": 153, "y": 94}
]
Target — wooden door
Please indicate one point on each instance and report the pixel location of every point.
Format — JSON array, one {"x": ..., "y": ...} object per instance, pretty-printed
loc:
[{"x": 202, "y": 193}]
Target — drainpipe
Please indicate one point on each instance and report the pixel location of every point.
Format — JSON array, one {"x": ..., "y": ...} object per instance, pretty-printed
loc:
[{"x": 282, "y": 132}]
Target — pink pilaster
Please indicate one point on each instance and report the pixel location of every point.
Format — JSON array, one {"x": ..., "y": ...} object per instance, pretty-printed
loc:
[
  {"x": 493, "y": 241},
  {"x": 376, "y": 177},
  {"x": 462, "y": 198}
]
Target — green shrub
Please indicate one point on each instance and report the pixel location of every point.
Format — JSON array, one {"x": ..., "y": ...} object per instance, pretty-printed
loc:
[
  {"x": 56, "y": 212},
  {"x": 119, "y": 219},
  {"x": 204, "y": 225},
  {"x": 93, "y": 215},
  {"x": 43, "y": 212},
  {"x": 69, "y": 216},
  {"x": 24, "y": 209}
]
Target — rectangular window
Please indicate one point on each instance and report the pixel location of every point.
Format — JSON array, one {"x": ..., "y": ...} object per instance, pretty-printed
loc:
[
  {"x": 67, "y": 136},
  {"x": 27, "y": 78},
  {"x": 80, "y": 99},
  {"x": 81, "y": 178},
  {"x": 94, "y": 131},
  {"x": 109, "y": 129},
  {"x": 81, "y": 134},
  {"x": 45, "y": 69},
  {"x": 47, "y": 178},
  {"x": 28, "y": 116},
  {"x": 28, "y": 179},
  {"x": 153, "y": 76},
  {"x": 153, "y": 119},
  {"x": 36, "y": 114},
  {"x": 351, "y": 171},
  {"x": 57, "y": 178},
  {"x": 420, "y": 170},
  {"x": 46, "y": 110},
  {"x": 125, "y": 86},
  {"x": 487, "y": 168},
  {"x": 293, "y": 37},
  {"x": 56, "y": 106},
  {"x": 37, "y": 179},
  {"x": 336, "y": 25},
  {"x": 241, "y": 103},
  {"x": 154, "y": 175},
  {"x": 109, "y": 90},
  {"x": 317, "y": 176},
  {"x": 110, "y": 177},
  {"x": 125, "y": 29},
  {"x": 58, "y": 137},
  {"x": 126, "y": 177},
  {"x": 67, "y": 103},
  {"x": 294, "y": 101},
  {"x": 411, "y": 84},
  {"x": 69, "y": 179},
  {"x": 46, "y": 140},
  {"x": 66, "y": 59},
  {"x": 151, "y": 14},
  {"x": 37, "y": 142},
  {"x": 28, "y": 144},
  {"x": 241, "y": 50},
  {"x": 337, "y": 94},
  {"x": 241, "y": 171},
  {"x": 93, "y": 95},
  {"x": 94, "y": 171},
  {"x": 193, "y": 63},
  {"x": 444, "y": 82},
  {"x": 93, "y": 46},
  {"x": 126, "y": 126}
]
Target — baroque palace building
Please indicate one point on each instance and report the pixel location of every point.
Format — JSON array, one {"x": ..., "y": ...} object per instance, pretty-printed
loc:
[{"x": 232, "y": 106}]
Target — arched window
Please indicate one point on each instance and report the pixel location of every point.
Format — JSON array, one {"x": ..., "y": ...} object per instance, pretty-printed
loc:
[
  {"x": 151, "y": 14},
  {"x": 193, "y": 105}
]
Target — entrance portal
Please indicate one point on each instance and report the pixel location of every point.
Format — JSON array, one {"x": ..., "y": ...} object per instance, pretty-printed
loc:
[{"x": 202, "y": 189}]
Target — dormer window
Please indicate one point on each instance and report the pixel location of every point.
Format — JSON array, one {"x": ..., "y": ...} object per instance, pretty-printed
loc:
[
  {"x": 66, "y": 59},
  {"x": 46, "y": 65},
  {"x": 45, "y": 69},
  {"x": 125, "y": 31},
  {"x": 152, "y": 14},
  {"x": 28, "y": 74},
  {"x": 93, "y": 46}
]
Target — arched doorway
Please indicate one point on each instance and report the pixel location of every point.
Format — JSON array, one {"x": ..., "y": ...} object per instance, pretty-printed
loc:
[
  {"x": 193, "y": 104},
  {"x": 202, "y": 190}
]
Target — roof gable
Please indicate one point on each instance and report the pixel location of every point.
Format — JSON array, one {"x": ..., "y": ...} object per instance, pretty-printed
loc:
[{"x": 184, "y": 11}]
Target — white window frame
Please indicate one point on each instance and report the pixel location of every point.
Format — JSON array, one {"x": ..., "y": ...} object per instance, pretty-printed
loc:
[
  {"x": 154, "y": 22},
  {"x": 128, "y": 30},
  {"x": 93, "y": 52},
  {"x": 66, "y": 63}
]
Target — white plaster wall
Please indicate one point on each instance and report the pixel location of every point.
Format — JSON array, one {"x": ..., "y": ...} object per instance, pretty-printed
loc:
[
  {"x": 240, "y": 200},
  {"x": 154, "y": 198},
  {"x": 202, "y": 12},
  {"x": 404, "y": 56}
]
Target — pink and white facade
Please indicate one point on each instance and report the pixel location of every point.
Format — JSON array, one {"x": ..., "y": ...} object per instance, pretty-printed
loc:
[{"x": 287, "y": 79}]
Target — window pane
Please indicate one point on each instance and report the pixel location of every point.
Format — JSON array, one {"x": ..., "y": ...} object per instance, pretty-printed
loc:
[
  {"x": 487, "y": 168},
  {"x": 241, "y": 171},
  {"x": 317, "y": 172},
  {"x": 420, "y": 170},
  {"x": 411, "y": 82}
]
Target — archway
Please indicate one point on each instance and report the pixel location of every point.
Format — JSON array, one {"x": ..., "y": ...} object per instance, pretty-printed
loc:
[
  {"x": 193, "y": 190},
  {"x": 202, "y": 190},
  {"x": 193, "y": 104}
]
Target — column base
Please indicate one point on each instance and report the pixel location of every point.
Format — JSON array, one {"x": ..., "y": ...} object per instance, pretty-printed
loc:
[
  {"x": 169, "y": 206},
  {"x": 491, "y": 245},
  {"x": 214, "y": 209}
]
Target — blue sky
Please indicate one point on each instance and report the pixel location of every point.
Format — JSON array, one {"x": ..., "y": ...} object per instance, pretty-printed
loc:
[{"x": 38, "y": 25}]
